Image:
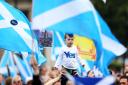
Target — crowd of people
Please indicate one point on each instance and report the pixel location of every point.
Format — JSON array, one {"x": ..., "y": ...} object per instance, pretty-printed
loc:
[
  {"x": 45, "y": 76},
  {"x": 42, "y": 76},
  {"x": 121, "y": 77},
  {"x": 62, "y": 73}
]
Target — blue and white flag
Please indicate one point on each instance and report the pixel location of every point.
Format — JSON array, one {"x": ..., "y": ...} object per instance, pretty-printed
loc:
[
  {"x": 111, "y": 46},
  {"x": 58, "y": 42},
  {"x": 7, "y": 60},
  {"x": 24, "y": 69},
  {"x": 15, "y": 33},
  {"x": 78, "y": 17},
  {"x": 68, "y": 16},
  {"x": 40, "y": 58},
  {"x": 109, "y": 80},
  {"x": 4, "y": 59}
]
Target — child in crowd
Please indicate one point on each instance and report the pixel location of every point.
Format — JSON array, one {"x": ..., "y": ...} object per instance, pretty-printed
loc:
[{"x": 68, "y": 57}]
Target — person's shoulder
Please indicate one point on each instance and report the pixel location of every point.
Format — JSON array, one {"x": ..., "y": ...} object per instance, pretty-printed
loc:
[
  {"x": 64, "y": 47},
  {"x": 74, "y": 47}
]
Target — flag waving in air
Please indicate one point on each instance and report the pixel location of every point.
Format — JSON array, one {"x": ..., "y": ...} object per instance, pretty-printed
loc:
[
  {"x": 68, "y": 16},
  {"x": 6, "y": 59},
  {"x": 111, "y": 46},
  {"x": 78, "y": 17},
  {"x": 87, "y": 52},
  {"x": 15, "y": 33},
  {"x": 86, "y": 48}
]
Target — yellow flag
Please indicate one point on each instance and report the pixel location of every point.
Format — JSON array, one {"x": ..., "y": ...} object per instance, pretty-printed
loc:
[{"x": 86, "y": 48}]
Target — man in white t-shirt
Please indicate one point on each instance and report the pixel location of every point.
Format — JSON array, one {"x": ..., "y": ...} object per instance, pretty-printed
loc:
[{"x": 68, "y": 57}]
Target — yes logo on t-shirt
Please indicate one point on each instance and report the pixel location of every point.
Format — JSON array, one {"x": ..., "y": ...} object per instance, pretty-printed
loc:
[{"x": 69, "y": 55}]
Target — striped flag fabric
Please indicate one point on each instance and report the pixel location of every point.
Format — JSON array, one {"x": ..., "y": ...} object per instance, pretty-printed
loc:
[
  {"x": 7, "y": 60},
  {"x": 15, "y": 32}
]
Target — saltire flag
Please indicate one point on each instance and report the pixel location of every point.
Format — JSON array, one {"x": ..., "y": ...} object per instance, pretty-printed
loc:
[
  {"x": 111, "y": 46},
  {"x": 15, "y": 32},
  {"x": 21, "y": 63},
  {"x": 79, "y": 17},
  {"x": 37, "y": 53},
  {"x": 58, "y": 42},
  {"x": 7, "y": 60},
  {"x": 40, "y": 58},
  {"x": 68, "y": 16},
  {"x": 23, "y": 68},
  {"x": 23, "y": 59}
]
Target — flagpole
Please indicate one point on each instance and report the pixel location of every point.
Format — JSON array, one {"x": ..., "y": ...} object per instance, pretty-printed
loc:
[{"x": 8, "y": 70}]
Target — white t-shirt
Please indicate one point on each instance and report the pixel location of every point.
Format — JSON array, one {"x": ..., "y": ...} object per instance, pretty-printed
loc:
[{"x": 68, "y": 57}]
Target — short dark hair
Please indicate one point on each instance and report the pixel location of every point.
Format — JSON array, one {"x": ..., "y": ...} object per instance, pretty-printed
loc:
[
  {"x": 69, "y": 34},
  {"x": 123, "y": 77},
  {"x": 126, "y": 73},
  {"x": 89, "y": 72}
]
